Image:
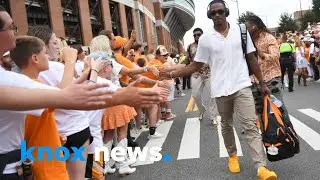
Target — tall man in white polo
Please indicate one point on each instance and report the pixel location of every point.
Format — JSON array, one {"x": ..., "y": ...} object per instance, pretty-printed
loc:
[{"x": 221, "y": 48}]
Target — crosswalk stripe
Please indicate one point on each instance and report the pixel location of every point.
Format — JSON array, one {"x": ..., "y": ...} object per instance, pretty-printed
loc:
[
  {"x": 306, "y": 133},
  {"x": 164, "y": 129},
  {"x": 311, "y": 113},
  {"x": 222, "y": 147},
  {"x": 136, "y": 134},
  {"x": 190, "y": 143}
]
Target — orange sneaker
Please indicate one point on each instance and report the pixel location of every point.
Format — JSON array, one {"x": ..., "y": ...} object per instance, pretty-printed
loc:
[
  {"x": 265, "y": 174},
  {"x": 234, "y": 166}
]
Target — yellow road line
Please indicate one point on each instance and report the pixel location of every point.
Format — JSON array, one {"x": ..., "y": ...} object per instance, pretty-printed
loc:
[
  {"x": 195, "y": 108},
  {"x": 190, "y": 104}
]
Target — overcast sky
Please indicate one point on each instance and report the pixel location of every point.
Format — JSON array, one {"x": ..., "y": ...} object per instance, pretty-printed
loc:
[{"x": 268, "y": 10}]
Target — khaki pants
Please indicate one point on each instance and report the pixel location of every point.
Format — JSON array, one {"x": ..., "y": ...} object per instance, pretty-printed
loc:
[
  {"x": 242, "y": 104},
  {"x": 201, "y": 92}
]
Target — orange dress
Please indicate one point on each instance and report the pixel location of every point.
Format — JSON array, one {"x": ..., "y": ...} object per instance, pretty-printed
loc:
[
  {"x": 42, "y": 131},
  {"x": 118, "y": 116}
]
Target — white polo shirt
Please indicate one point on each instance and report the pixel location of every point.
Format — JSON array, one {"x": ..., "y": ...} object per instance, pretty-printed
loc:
[
  {"x": 229, "y": 70},
  {"x": 12, "y": 122}
]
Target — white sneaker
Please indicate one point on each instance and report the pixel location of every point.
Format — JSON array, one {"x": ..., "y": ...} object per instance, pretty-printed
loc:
[
  {"x": 172, "y": 116},
  {"x": 109, "y": 170},
  {"x": 216, "y": 120},
  {"x": 183, "y": 94},
  {"x": 126, "y": 170},
  {"x": 159, "y": 123},
  {"x": 140, "y": 130},
  {"x": 318, "y": 81},
  {"x": 156, "y": 135}
]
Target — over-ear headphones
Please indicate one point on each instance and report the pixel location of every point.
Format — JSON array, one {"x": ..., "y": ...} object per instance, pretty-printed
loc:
[{"x": 227, "y": 11}]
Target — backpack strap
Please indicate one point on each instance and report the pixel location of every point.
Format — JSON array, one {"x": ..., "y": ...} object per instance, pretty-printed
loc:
[
  {"x": 243, "y": 29},
  {"x": 244, "y": 41}
]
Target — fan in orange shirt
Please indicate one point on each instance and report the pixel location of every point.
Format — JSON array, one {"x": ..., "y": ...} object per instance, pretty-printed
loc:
[
  {"x": 30, "y": 56},
  {"x": 133, "y": 69}
]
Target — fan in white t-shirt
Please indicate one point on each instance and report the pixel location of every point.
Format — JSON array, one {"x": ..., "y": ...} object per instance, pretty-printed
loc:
[
  {"x": 12, "y": 122},
  {"x": 108, "y": 69}
]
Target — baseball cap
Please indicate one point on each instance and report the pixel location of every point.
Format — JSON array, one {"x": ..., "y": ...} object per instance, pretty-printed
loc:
[
  {"x": 119, "y": 41},
  {"x": 161, "y": 50}
]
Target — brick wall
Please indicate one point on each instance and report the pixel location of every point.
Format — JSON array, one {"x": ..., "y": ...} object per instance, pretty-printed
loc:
[
  {"x": 123, "y": 21},
  {"x": 148, "y": 4},
  {"x": 106, "y": 14},
  {"x": 85, "y": 22},
  {"x": 56, "y": 18},
  {"x": 19, "y": 16}
]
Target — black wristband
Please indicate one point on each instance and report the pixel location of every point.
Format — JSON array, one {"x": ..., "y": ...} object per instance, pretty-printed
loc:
[{"x": 94, "y": 70}]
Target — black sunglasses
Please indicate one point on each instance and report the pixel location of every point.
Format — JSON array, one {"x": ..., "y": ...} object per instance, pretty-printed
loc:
[
  {"x": 195, "y": 35},
  {"x": 220, "y": 12}
]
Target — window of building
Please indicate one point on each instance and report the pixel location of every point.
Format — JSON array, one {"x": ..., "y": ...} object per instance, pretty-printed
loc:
[
  {"x": 37, "y": 12},
  {"x": 155, "y": 35},
  {"x": 6, "y": 5},
  {"x": 115, "y": 18},
  {"x": 129, "y": 20},
  {"x": 71, "y": 19},
  {"x": 141, "y": 25},
  {"x": 96, "y": 17}
]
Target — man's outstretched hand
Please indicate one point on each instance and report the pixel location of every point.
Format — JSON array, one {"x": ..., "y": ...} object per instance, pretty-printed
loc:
[
  {"x": 165, "y": 73},
  {"x": 85, "y": 96}
]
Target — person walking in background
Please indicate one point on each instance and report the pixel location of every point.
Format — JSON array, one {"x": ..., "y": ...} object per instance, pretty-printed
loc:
[
  {"x": 268, "y": 59},
  {"x": 201, "y": 83},
  {"x": 287, "y": 61},
  {"x": 178, "y": 81},
  {"x": 313, "y": 65},
  {"x": 301, "y": 63}
]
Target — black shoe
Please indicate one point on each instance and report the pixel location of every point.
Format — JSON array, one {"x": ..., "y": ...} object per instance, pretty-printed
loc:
[
  {"x": 290, "y": 90},
  {"x": 132, "y": 143}
]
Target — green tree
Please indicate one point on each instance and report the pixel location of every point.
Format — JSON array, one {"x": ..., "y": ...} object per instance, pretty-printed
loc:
[
  {"x": 287, "y": 23},
  {"x": 307, "y": 17},
  {"x": 244, "y": 16},
  {"x": 316, "y": 9}
]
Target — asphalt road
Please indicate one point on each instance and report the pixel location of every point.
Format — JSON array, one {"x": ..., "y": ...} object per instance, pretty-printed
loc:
[{"x": 201, "y": 157}]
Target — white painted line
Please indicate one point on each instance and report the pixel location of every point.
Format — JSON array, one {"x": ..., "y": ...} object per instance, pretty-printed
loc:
[
  {"x": 311, "y": 113},
  {"x": 306, "y": 133},
  {"x": 163, "y": 129},
  {"x": 190, "y": 143},
  {"x": 222, "y": 147}
]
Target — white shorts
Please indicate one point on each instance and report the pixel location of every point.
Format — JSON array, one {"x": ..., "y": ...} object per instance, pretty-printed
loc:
[{"x": 171, "y": 93}]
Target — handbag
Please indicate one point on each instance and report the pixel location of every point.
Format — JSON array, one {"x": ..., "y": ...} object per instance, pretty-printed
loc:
[{"x": 278, "y": 135}]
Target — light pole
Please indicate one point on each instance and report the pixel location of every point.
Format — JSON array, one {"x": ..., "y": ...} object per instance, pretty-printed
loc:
[
  {"x": 300, "y": 10},
  {"x": 237, "y": 7}
]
